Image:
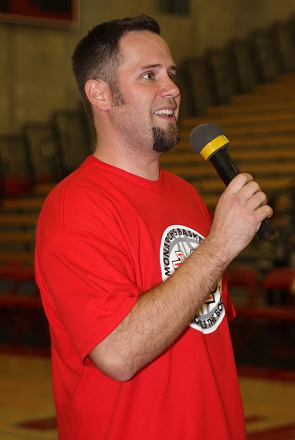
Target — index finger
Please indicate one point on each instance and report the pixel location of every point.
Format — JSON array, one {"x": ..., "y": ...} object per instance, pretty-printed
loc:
[{"x": 239, "y": 182}]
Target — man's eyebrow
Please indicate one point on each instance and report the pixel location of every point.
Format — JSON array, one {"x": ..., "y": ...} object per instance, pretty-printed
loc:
[{"x": 154, "y": 66}]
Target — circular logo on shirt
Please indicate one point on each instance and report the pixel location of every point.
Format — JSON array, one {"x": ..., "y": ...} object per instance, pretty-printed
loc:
[{"x": 178, "y": 242}]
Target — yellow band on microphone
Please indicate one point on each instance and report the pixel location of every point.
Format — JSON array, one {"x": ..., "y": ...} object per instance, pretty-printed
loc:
[{"x": 211, "y": 147}]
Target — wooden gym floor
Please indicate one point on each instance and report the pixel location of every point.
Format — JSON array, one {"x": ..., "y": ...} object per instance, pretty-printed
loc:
[{"x": 27, "y": 408}]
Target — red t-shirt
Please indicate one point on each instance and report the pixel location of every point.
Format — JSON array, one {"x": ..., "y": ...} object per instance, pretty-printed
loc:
[{"x": 104, "y": 238}]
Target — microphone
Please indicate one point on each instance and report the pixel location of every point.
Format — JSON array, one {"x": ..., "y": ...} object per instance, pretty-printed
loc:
[{"x": 209, "y": 141}]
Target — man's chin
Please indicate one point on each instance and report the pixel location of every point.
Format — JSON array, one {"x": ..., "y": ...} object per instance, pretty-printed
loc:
[{"x": 164, "y": 140}]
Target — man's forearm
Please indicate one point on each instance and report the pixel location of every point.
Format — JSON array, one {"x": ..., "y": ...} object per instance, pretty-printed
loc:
[{"x": 160, "y": 316}]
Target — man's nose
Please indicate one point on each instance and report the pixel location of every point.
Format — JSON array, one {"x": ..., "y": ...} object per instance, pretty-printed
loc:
[{"x": 169, "y": 88}]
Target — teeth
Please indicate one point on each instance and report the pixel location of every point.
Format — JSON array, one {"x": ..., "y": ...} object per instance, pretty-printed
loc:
[{"x": 164, "y": 112}]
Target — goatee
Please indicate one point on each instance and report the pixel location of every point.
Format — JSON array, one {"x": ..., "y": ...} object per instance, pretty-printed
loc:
[{"x": 164, "y": 140}]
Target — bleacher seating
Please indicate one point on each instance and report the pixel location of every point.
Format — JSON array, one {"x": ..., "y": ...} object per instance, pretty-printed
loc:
[
  {"x": 192, "y": 81},
  {"x": 261, "y": 132},
  {"x": 22, "y": 319},
  {"x": 263, "y": 57},
  {"x": 256, "y": 319},
  {"x": 283, "y": 45},
  {"x": 42, "y": 141},
  {"x": 219, "y": 76},
  {"x": 74, "y": 138},
  {"x": 242, "y": 66},
  {"x": 15, "y": 171}
]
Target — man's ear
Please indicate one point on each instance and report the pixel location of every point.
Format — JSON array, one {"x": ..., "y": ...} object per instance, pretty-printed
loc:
[{"x": 99, "y": 94}]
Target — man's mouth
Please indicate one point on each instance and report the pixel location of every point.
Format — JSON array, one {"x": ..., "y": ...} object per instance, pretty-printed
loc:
[{"x": 165, "y": 112}]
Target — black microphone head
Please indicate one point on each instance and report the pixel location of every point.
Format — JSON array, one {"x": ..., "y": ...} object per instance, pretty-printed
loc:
[{"x": 206, "y": 139}]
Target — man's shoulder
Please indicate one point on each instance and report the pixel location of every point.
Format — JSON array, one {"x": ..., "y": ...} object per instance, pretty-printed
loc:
[
  {"x": 76, "y": 185},
  {"x": 75, "y": 204}
]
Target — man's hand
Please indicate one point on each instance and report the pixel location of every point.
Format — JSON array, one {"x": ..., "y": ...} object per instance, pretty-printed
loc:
[{"x": 238, "y": 215}]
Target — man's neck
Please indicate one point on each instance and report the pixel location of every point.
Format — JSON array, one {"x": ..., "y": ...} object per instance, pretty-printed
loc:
[{"x": 138, "y": 164}]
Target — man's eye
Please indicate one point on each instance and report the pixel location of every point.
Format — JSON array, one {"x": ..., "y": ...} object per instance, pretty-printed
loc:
[
  {"x": 172, "y": 76},
  {"x": 148, "y": 75}
]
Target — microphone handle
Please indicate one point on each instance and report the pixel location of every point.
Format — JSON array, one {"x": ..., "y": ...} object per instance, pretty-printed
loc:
[{"x": 227, "y": 170}]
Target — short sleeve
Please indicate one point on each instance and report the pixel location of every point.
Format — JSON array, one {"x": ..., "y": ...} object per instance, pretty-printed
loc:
[{"x": 90, "y": 284}]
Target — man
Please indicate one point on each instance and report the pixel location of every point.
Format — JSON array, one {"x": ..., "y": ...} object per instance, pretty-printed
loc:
[{"x": 140, "y": 350}]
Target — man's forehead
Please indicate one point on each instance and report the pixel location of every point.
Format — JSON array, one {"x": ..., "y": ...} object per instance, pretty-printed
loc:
[{"x": 141, "y": 44}]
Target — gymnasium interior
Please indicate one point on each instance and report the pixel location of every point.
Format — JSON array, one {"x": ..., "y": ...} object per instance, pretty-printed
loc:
[{"x": 236, "y": 69}]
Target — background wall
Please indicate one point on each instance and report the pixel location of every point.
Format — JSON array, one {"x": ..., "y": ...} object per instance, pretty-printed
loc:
[{"x": 35, "y": 66}]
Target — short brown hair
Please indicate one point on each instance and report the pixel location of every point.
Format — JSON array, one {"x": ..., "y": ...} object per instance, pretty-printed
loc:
[{"x": 97, "y": 55}]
